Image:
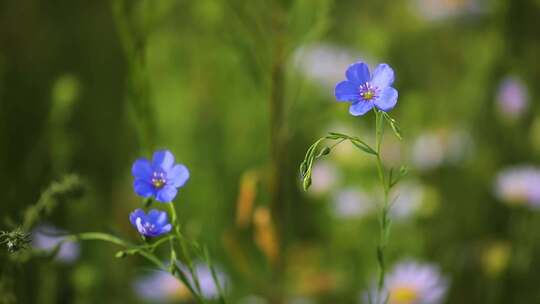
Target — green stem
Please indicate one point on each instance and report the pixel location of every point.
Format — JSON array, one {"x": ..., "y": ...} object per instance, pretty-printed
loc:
[
  {"x": 383, "y": 221},
  {"x": 185, "y": 253},
  {"x": 98, "y": 236}
]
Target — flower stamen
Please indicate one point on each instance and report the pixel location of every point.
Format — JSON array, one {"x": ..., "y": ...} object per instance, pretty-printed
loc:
[
  {"x": 368, "y": 92},
  {"x": 158, "y": 179}
]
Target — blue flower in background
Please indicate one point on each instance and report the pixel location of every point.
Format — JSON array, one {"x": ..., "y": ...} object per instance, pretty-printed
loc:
[
  {"x": 159, "y": 178},
  {"x": 365, "y": 91},
  {"x": 153, "y": 224}
]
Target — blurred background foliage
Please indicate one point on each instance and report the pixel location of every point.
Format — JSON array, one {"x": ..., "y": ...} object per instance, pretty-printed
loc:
[{"x": 238, "y": 90}]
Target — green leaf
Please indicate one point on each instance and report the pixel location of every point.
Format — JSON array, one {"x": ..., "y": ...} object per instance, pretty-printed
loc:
[
  {"x": 307, "y": 183},
  {"x": 324, "y": 151},
  {"x": 336, "y": 135},
  {"x": 303, "y": 168},
  {"x": 357, "y": 142},
  {"x": 403, "y": 170},
  {"x": 363, "y": 146},
  {"x": 394, "y": 125}
]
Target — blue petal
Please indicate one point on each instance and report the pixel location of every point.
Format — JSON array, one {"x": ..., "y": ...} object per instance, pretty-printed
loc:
[
  {"x": 162, "y": 159},
  {"x": 134, "y": 215},
  {"x": 388, "y": 99},
  {"x": 161, "y": 219},
  {"x": 143, "y": 188},
  {"x": 165, "y": 229},
  {"x": 153, "y": 215},
  {"x": 383, "y": 76},
  {"x": 360, "y": 108},
  {"x": 358, "y": 73},
  {"x": 166, "y": 194},
  {"x": 178, "y": 175},
  {"x": 347, "y": 91},
  {"x": 157, "y": 217},
  {"x": 139, "y": 225},
  {"x": 141, "y": 169}
]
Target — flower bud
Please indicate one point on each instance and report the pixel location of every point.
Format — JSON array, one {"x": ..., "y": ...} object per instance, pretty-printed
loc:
[{"x": 307, "y": 183}]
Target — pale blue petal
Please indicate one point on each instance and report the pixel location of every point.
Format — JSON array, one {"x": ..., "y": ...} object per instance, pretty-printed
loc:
[
  {"x": 383, "y": 76},
  {"x": 165, "y": 229},
  {"x": 360, "y": 108},
  {"x": 166, "y": 194},
  {"x": 134, "y": 215},
  {"x": 163, "y": 159},
  {"x": 178, "y": 175},
  {"x": 161, "y": 219},
  {"x": 388, "y": 99}
]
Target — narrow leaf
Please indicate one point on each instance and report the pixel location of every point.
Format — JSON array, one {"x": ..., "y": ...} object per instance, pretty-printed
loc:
[
  {"x": 404, "y": 170},
  {"x": 324, "y": 151},
  {"x": 363, "y": 146}
]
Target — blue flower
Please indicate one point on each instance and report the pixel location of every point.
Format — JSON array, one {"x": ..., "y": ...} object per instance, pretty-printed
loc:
[
  {"x": 365, "y": 91},
  {"x": 153, "y": 224},
  {"x": 159, "y": 178}
]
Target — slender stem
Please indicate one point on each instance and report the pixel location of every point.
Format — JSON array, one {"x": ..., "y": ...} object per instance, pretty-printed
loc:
[
  {"x": 185, "y": 253},
  {"x": 214, "y": 276},
  {"x": 98, "y": 236},
  {"x": 383, "y": 221},
  {"x": 339, "y": 142},
  {"x": 179, "y": 273}
]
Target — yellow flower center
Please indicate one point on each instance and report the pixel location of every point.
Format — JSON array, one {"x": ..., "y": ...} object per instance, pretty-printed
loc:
[
  {"x": 403, "y": 295},
  {"x": 368, "y": 92},
  {"x": 158, "y": 180},
  {"x": 368, "y": 95}
]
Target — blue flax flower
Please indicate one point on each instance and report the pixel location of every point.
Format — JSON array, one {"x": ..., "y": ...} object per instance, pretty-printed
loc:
[
  {"x": 160, "y": 177},
  {"x": 366, "y": 91},
  {"x": 153, "y": 224}
]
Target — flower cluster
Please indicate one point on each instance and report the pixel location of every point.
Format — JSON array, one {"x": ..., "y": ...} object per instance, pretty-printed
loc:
[{"x": 159, "y": 178}]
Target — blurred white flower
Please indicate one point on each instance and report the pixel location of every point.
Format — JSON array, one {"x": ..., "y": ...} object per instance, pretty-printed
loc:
[
  {"x": 46, "y": 237},
  {"x": 324, "y": 177},
  {"x": 512, "y": 98},
  {"x": 412, "y": 283},
  {"x": 159, "y": 286},
  {"x": 519, "y": 185},
  {"x": 435, "y": 148},
  {"x": 351, "y": 203},
  {"x": 208, "y": 286},
  {"x": 324, "y": 63},
  {"x": 407, "y": 198}
]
